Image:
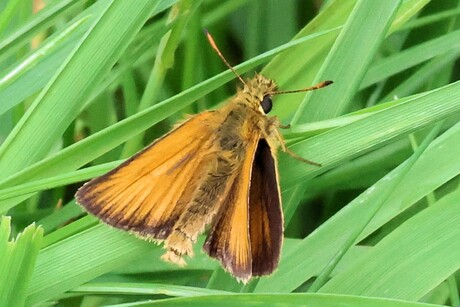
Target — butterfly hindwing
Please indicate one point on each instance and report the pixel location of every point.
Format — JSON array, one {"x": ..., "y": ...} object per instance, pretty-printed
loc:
[
  {"x": 247, "y": 235},
  {"x": 265, "y": 212},
  {"x": 228, "y": 240}
]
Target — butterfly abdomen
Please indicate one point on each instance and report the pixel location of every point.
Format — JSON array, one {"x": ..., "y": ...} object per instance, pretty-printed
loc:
[{"x": 200, "y": 210}]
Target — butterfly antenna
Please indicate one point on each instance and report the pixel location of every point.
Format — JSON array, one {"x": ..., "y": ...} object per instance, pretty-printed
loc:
[
  {"x": 311, "y": 88},
  {"x": 214, "y": 46}
]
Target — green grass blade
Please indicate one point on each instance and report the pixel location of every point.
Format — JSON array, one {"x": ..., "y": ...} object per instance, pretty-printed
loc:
[
  {"x": 47, "y": 283},
  {"x": 6, "y": 15},
  {"x": 136, "y": 288},
  {"x": 357, "y": 138},
  {"x": 39, "y": 21},
  {"x": 46, "y": 64},
  {"x": 57, "y": 181},
  {"x": 423, "y": 75},
  {"x": 17, "y": 259},
  {"x": 378, "y": 203},
  {"x": 410, "y": 57},
  {"x": 10, "y": 83}
]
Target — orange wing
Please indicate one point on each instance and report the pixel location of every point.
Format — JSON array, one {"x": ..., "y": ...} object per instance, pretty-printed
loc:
[
  {"x": 147, "y": 193},
  {"x": 228, "y": 241}
]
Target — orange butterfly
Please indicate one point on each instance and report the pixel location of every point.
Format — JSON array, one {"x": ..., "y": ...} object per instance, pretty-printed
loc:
[{"x": 218, "y": 168}]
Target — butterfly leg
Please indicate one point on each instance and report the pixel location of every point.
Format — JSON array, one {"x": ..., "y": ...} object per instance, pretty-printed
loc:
[
  {"x": 288, "y": 126},
  {"x": 273, "y": 134}
]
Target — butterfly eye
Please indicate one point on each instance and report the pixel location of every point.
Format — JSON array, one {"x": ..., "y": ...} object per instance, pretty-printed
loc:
[{"x": 266, "y": 104}]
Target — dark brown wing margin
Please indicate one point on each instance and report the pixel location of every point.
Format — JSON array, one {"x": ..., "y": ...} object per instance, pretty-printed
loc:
[{"x": 265, "y": 212}]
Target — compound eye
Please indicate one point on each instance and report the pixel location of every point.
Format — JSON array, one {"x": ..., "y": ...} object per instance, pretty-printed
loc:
[{"x": 266, "y": 104}]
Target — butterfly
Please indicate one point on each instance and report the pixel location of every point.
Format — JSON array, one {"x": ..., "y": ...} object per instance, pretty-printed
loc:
[{"x": 218, "y": 169}]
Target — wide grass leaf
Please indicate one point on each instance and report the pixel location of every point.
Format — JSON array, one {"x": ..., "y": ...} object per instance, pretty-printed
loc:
[
  {"x": 412, "y": 260},
  {"x": 297, "y": 299},
  {"x": 59, "y": 103},
  {"x": 315, "y": 251}
]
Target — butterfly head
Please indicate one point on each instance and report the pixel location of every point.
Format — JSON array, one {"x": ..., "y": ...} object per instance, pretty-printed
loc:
[{"x": 258, "y": 92}]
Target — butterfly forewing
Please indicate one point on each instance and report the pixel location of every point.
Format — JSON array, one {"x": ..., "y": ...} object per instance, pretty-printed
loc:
[{"x": 147, "y": 193}]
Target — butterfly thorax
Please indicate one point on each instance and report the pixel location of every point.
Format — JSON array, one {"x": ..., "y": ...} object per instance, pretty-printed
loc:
[{"x": 245, "y": 118}]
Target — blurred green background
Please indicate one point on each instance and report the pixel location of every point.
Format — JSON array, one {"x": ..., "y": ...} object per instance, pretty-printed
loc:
[{"x": 86, "y": 84}]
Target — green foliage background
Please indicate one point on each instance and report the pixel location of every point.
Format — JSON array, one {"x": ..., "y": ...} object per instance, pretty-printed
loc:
[{"x": 85, "y": 84}]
